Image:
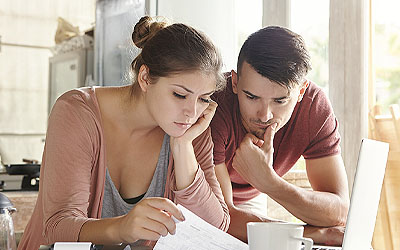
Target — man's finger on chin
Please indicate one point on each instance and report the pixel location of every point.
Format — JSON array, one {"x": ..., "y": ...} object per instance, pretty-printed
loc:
[{"x": 269, "y": 136}]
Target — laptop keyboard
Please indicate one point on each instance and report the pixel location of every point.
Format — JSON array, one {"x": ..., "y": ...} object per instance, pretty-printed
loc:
[{"x": 323, "y": 248}]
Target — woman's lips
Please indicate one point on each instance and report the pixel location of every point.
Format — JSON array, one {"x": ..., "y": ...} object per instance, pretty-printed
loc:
[{"x": 183, "y": 125}]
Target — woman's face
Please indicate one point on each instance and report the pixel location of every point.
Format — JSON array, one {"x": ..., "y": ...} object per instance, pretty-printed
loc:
[{"x": 177, "y": 101}]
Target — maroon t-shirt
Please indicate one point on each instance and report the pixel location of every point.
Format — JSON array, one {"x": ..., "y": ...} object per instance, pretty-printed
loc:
[{"x": 311, "y": 132}]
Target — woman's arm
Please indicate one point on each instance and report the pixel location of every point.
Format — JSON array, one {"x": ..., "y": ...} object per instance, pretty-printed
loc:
[
  {"x": 68, "y": 160},
  {"x": 194, "y": 185}
]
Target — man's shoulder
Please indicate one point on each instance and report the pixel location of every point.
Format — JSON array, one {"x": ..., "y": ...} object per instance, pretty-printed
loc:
[
  {"x": 315, "y": 92},
  {"x": 315, "y": 101},
  {"x": 225, "y": 120},
  {"x": 226, "y": 94},
  {"x": 225, "y": 99}
]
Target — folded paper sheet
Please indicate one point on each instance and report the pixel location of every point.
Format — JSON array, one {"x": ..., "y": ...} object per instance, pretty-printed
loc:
[{"x": 196, "y": 234}]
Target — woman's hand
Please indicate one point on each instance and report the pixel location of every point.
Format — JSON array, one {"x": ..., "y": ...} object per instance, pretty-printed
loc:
[
  {"x": 148, "y": 220},
  {"x": 182, "y": 149},
  {"x": 201, "y": 125}
]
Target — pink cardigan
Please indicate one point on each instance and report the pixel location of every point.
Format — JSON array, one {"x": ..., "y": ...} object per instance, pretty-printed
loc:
[{"x": 73, "y": 170}]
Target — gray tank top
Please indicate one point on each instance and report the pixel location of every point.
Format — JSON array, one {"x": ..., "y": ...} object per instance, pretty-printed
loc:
[{"x": 114, "y": 205}]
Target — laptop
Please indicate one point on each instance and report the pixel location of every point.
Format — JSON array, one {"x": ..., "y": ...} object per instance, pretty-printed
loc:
[{"x": 365, "y": 196}]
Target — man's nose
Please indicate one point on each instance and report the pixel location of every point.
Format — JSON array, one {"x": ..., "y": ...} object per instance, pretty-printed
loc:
[{"x": 265, "y": 113}]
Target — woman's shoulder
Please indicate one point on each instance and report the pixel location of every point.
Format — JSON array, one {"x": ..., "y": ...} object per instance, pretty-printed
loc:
[
  {"x": 85, "y": 94},
  {"x": 79, "y": 99},
  {"x": 77, "y": 106}
]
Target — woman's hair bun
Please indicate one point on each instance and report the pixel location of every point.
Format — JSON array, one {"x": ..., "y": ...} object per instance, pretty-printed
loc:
[{"x": 145, "y": 29}]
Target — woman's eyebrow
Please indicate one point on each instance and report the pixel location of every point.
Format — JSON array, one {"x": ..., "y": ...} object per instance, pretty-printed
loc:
[
  {"x": 191, "y": 91},
  {"x": 183, "y": 87}
]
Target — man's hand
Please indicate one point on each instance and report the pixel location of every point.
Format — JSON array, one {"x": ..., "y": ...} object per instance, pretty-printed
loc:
[
  {"x": 331, "y": 236},
  {"x": 254, "y": 159}
]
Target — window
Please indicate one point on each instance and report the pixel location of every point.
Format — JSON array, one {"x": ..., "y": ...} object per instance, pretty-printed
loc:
[
  {"x": 386, "y": 53},
  {"x": 310, "y": 19},
  {"x": 26, "y": 40},
  {"x": 248, "y": 18}
]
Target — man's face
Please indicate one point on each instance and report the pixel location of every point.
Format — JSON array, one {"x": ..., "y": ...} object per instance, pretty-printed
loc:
[{"x": 263, "y": 102}]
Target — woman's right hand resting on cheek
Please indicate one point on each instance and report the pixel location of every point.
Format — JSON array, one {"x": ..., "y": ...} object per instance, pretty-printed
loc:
[{"x": 148, "y": 220}]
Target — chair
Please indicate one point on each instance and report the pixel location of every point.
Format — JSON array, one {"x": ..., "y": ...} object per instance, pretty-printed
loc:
[{"x": 387, "y": 228}]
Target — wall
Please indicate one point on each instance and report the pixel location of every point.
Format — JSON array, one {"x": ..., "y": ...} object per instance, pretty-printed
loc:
[{"x": 215, "y": 18}]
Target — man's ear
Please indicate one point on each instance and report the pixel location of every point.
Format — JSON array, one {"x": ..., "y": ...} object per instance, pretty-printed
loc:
[
  {"x": 303, "y": 89},
  {"x": 144, "y": 78},
  {"x": 234, "y": 81}
]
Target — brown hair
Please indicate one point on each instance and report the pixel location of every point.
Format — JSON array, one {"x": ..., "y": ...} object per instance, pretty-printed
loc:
[
  {"x": 278, "y": 54},
  {"x": 170, "y": 49}
]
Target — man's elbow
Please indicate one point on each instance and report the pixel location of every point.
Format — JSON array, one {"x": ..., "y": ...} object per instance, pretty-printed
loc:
[{"x": 340, "y": 217}]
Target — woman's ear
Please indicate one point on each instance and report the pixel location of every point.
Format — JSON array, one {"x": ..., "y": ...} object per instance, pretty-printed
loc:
[{"x": 144, "y": 78}]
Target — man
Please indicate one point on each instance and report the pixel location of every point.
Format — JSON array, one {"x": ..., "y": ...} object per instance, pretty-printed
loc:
[{"x": 268, "y": 116}]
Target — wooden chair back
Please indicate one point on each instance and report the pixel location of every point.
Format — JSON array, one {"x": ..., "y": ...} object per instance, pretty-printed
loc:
[{"x": 387, "y": 228}]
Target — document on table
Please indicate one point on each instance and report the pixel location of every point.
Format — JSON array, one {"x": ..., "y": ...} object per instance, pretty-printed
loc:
[{"x": 196, "y": 234}]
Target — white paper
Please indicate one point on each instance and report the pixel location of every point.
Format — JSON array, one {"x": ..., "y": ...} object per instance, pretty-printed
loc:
[
  {"x": 72, "y": 245},
  {"x": 196, "y": 234}
]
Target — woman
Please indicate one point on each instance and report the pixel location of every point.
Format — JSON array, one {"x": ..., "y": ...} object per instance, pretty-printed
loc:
[{"x": 117, "y": 160}]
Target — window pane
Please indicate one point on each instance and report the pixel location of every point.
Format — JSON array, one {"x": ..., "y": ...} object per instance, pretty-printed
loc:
[
  {"x": 310, "y": 19},
  {"x": 27, "y": 28},
  {"x": 248, "y": 18},
  {"x": 387, "y": 53}
]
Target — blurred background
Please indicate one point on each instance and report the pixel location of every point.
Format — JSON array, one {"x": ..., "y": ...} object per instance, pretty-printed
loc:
[{"x": 50, "y": 46}]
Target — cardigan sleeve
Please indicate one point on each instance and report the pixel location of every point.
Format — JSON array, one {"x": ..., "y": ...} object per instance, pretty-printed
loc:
[
  {"x": 204, "y": 196},
  {"x": 68, "y": 160}
]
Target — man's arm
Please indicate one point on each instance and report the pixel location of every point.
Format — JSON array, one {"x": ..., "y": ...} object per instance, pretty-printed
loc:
[
  {"x": 327, "y": 204},
  {"x": 239, "y": 217}
]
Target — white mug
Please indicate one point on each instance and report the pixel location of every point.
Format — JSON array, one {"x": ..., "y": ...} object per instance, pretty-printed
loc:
[{"x": 276, "y": 236}]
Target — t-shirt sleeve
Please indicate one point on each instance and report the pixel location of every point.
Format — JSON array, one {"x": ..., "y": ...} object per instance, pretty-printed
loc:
[
  {"x": 220, "y": 133},
  {"x": 323, "y": 129}
]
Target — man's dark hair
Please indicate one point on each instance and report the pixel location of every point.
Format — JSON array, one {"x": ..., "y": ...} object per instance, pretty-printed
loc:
[{"x": 277, "y": 54}]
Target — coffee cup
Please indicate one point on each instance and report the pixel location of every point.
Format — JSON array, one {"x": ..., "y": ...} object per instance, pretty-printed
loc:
[{"x": 276, "y": 236}]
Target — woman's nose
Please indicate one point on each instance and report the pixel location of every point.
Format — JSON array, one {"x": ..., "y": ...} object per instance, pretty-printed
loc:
[{"x": 190, "y": 109}]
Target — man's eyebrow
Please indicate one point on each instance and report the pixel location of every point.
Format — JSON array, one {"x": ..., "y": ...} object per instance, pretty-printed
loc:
[
  {"x": 281, "y": 98},
  {"x": 276, "y": 99},
  {"x": 191, "y": 91},
  {"x": 249, "y": 93}
]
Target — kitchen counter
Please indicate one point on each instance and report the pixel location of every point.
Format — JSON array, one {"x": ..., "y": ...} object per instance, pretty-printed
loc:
[{"x": 24, "y": 202}]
